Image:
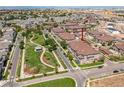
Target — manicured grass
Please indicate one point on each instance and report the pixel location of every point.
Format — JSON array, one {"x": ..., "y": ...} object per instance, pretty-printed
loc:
[
  {"x": 32, "y": 59},
  {"x": 39, "y": 39},
  {"x": 65, "y": 82},
  {"x": 18, "y": 70},
  {"x": 91, "y": 64},
  {"x": 51, "y": 58},
  {"x": 5, "y": 77},
  {"x": 72, "y": 63},
  {"x": 116, "y": 58},
  {"x": 61, "y": 61}
]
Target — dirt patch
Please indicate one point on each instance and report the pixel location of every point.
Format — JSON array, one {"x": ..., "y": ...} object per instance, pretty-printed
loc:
[
  {"x": 30, "y": 70},
  {"x": 46, "y": 60},
  {"x": 110, "y": 81}
]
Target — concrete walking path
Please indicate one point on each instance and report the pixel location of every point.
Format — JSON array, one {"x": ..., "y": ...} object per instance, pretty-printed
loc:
[{"x": 44, "y": 50}]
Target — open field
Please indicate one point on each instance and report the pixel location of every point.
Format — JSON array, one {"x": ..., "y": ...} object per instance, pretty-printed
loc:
[
  {"x": 65, "y": 82},
  {"x": 109, "y": 81}
]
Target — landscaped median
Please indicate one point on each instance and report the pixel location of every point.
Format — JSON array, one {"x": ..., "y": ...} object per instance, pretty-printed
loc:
[
  {"x": 64, "y": 82},
  {"x": 91, "y": 65}
]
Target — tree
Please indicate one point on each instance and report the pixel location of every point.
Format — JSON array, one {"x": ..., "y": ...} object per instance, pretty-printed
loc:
[
  {"x": 70, "y": 56},
  {"x": 23, "y": 34},
  {"x": 18, "y": 28},
  {"x": 46, "y": 35},
  {"x": 1, "y": 33},
  {"x": 21, "y": 46},
  {"x": 51, "y": 44},
  {"x": 56, "y": 69},
  {"x": 55, "y": 25},
  {"x": 63, "y": 44}
]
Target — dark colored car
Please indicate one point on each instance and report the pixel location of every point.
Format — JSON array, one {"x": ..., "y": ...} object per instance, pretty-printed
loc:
[
  {"x": 100, "y": 66},
  {"x": 115, "y": 71}
]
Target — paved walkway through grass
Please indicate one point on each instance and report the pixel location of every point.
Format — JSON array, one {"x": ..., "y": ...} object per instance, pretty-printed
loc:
[{"x": 43, "y": 51}]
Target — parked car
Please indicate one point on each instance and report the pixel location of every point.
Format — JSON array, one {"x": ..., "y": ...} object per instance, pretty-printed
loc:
[
  {"x": 100, "y": 66},
  {"x": 115, "y": 71}
]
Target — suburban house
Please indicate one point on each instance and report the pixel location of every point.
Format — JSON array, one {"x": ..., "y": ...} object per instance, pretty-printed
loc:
[
  {"x": 119, "y": 37},
  {"x": 8, "y": 35},
  {"x": 3, "y": 60},
  {"x": 119, "y": 47},
  {"x": 5, "y": 46},
  {"x": 105, "y": 51},
  {"x": 57, "y": 30},
  {"x": 72, "y": 27},
  {"x": 100, "y": 37},
  {"x": 83, "y": 52},
  {"x": 67, "y": 36}
]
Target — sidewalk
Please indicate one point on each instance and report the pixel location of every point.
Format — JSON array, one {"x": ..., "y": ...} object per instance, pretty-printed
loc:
[
  {"x": 23, "y": 60},
  {"x": 61, "y": 68}
]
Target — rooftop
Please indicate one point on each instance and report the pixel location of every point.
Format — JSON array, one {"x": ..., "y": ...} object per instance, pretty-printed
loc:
[
  {"x": 58, "y": 30},
  {"x": 66, "y": 36},
  {"x": 82, "y": 48},
  {"x": 120, "y": 45}
]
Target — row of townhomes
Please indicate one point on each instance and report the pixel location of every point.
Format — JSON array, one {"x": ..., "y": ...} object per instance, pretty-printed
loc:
[
  {"x": 6, "y": 42},
  {"x": 74, "y": 35},
  {"x": 88, "y": 44}
]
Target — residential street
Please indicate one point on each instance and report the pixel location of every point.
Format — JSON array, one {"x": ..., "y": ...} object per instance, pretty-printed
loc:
[
  {"x": 80, "y": 76},
  {"x": 15, "y": 58},
  {"x": 65, "y": 60}
]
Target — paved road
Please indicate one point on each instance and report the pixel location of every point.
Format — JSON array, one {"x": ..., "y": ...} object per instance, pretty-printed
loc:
[
  {"x": 79, "y": 75},
  {"x": 65, "y": 60},
  {"x": 15, "y": 59}
]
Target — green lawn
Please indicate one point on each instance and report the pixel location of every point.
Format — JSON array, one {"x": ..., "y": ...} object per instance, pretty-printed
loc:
[
  {"x": 32, "y": 58},
  {"x": 18, "y": 69},
  {"x": 51, "y": 58},
  {"x": 65, "y": 82},
  {"x": 39, "y": 39},
  {"x": 116, "y": 58},
  {"x": 90, "y": 64}
]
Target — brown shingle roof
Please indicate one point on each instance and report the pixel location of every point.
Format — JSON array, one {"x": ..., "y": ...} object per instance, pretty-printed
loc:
[
  {"x": 66, "y": 36},
  {"x": 120, "y": 45},
  {"x": 58, "y": 30},
  {"x": 82, "y": 48}
]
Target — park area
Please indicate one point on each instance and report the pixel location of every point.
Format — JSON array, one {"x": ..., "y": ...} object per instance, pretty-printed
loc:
[
  {"x": 109, "y": 81},
  {"x": 64, "y": 82},
  {"x": 33, "y": 65}
]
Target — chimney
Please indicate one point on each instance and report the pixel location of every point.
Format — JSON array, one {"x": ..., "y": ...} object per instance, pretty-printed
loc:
[{"x": 82, "y": 36}]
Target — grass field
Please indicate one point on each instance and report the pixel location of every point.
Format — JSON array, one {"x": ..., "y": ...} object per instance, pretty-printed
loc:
[
  {"x": 65, "y": 82},
  {"x": 51, "y": 58},
  {"x": 32, "y": 59},
  {"x": 39, "y": 39}
]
